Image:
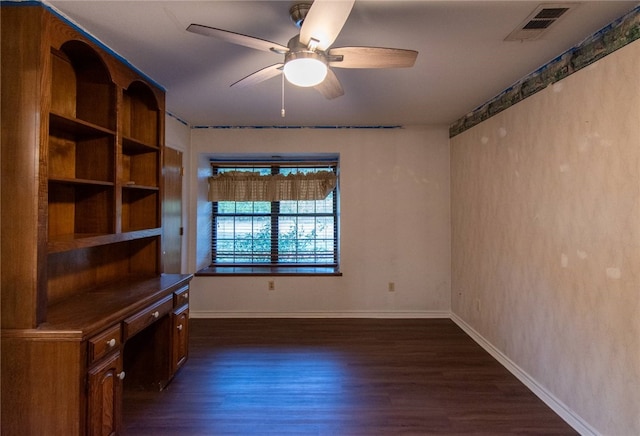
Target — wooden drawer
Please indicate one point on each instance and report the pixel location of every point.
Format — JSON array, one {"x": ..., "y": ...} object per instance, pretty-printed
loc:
[
  {"x": 104, "y": 343},
  {"x": 181, "y": 297},
  {"x": 144, "y": 318}
]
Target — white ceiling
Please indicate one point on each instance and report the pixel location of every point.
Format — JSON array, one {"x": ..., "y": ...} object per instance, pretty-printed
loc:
[{"x": 463, "y": 59}]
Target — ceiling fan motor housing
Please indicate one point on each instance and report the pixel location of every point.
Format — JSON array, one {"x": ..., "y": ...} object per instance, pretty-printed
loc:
[
  {"x": 295, "y": 46},
  {"x": 304, "y": 54}
]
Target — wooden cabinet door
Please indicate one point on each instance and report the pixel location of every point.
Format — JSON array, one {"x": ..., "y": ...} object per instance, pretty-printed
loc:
[
  {"x": 180, "y": 338},
  {"x": 105, "y": 397}
]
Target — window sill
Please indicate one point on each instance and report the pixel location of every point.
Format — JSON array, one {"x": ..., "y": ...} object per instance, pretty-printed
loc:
[{"x": 269, "y": 271}]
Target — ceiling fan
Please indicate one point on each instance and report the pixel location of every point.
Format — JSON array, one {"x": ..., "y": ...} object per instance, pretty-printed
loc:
[{"x": 308, "y": 56}]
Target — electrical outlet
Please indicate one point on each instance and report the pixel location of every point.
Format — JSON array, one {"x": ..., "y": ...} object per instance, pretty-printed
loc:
[
  {"x": 272, "y": 285},
  {"x": 478, "y": 307},
  {"x": 392, "y": 287}
]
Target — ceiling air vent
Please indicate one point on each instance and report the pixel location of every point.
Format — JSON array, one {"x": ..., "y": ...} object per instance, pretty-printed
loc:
[{"x": 539, "y": 21}]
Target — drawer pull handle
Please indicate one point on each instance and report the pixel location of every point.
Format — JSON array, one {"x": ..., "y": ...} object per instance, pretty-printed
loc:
[
  {"x": 185, "y": 295},
  {"x": 121, "y": 375},
  {"x": 180, "y": 327},
  {"x": 155, "y": 314},
  {"x": 111, "y": 343}
]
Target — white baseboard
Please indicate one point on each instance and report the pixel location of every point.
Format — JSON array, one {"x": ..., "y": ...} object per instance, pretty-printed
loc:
[
  {"x": 568, "y": 415},
  {"x": 349, "y": 314}
]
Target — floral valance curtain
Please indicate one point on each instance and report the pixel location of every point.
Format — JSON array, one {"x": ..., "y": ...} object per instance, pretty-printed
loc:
[{"x": 251, "y": 186}]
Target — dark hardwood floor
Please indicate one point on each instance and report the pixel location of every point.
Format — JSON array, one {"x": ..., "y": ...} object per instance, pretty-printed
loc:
[{"x": 338, "y": 377}]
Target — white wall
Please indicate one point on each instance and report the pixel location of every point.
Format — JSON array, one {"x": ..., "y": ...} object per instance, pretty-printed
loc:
[
  {"x": 546, "y": 239},
  {"x": 395, "y": 225},
  {"x": 177, "y": 134}
]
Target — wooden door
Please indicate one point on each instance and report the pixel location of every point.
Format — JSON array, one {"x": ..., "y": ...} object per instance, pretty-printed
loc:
[{"x": 172, "y": 211}]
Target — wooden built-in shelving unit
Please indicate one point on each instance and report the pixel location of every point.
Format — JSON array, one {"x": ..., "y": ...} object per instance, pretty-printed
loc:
[{"x": 84, "y": 299}]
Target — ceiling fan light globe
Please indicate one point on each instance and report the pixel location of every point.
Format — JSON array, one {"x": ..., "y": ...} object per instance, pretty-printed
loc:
[{"x": 305, "y": 71}]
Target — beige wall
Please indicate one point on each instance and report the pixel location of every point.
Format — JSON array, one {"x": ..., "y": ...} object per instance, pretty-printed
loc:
[
  {"x": 395, "y": 225},
  {"x": 546, "y": 239}
]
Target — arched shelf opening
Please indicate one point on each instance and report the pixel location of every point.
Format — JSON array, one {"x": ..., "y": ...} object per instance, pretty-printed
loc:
[
  {"x": 141, "y": 114},
  {"x": 81, "y": 86}
]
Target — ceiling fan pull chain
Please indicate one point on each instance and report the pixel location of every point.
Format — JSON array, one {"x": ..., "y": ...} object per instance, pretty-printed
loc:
[{"x": 282, "y": 112}]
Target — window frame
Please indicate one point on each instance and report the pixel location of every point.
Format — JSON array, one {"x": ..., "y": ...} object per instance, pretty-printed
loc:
[{"x": 273, "y": 267}]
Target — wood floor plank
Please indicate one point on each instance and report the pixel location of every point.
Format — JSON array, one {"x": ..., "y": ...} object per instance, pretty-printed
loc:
[{"x": 338, "y": 377}]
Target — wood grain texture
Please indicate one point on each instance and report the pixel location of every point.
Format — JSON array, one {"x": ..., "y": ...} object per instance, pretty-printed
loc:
[
  {"x": 28, "y": 386},
  {"x": 105, "y": 391},
  {"x": 373, "y": 57},
  {"x": 172, "y": 211},
  {"x": 23, "y": 292},
  {"x": 338, "y": 377}
]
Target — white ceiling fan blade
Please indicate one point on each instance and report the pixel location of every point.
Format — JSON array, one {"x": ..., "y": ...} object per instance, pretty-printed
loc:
[
  {"x": 259, "y": 76},
  {"x": 237, "y": 38},
  {"x": 373, "y": 57},
  {"x": 324, "y": 22},
  {"x": 330, "y": 87}
]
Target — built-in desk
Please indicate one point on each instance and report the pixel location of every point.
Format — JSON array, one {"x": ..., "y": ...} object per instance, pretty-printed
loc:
[{"x": 70, "y": 371}]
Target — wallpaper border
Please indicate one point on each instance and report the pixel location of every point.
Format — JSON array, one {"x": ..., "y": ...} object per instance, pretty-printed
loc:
[{"x": 616, "y": 35}]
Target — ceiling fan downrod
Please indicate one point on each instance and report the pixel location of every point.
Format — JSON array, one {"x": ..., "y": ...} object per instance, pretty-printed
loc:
[{"x": 298, "y": 12}]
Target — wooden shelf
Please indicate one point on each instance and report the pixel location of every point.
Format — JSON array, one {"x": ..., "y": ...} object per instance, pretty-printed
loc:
[
  {"x": 80, "y": 150},
  {"x": 140, "y": 164},
  {"x": 75, "y": 127},
  {"x": 87, "y": 209},
  {"x": 141, "y": 187},
  {"x": 140, "y": 209},
  {"x": 80, "y": 207},
  {"x": 140, "y": 115},
  {"x": 81, "y": 85},
  {"x": 70, "y": 181},
  {"x": 132, "y": 146},
  {"x": 75, "y": 241}
]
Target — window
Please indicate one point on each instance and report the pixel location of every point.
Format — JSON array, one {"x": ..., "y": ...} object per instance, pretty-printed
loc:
[{"x": 282, "y": 236}]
